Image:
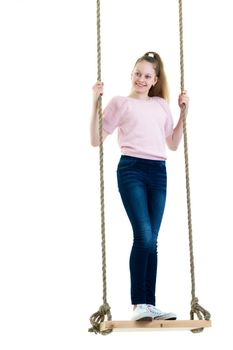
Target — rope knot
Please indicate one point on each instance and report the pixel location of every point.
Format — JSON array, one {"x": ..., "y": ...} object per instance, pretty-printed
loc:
[
  {"x": 194, "y": 303},
  {"x": 98, "y": 317},
  {"x": 104, "y": 309},
  {"x": 200, "y": 312}
]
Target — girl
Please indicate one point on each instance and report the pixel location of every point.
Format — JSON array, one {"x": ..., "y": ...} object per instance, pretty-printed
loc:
[{"x": 145, "y": 126}]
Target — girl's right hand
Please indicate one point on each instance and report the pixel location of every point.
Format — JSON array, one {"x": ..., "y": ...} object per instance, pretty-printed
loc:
[{"x": 98, "y": 89}]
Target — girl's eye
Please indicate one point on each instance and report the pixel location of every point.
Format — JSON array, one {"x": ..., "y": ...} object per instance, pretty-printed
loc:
[
  {"x": 148, "y": 76},
  {"x": 137, "y": 74}
]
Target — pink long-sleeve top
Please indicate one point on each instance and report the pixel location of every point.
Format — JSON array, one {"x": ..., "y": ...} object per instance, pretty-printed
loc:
[{"x": 143, "y": 125}]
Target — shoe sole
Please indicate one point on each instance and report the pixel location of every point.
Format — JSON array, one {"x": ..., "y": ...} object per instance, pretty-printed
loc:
[
  {"x": 165, "y": 319},
  {"x": 145, "y": 319}
]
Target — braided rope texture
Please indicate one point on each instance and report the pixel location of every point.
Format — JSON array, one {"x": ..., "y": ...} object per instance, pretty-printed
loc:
[
  {"x": 104, "y": 309},
  {"x": 195, "y": 307}
]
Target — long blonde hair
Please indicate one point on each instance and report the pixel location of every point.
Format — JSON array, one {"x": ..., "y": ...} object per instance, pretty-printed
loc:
[{"x": 161, "y": 87}]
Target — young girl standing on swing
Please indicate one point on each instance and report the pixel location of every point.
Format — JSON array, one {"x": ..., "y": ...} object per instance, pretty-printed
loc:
[{"x": 145, "y": 126}]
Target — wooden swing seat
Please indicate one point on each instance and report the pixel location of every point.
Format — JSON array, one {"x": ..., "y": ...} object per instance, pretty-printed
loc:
[{"x": 155, "y": 325}]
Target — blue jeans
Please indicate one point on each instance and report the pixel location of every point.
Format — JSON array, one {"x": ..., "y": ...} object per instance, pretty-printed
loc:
[{"x": 142, "y": 185}]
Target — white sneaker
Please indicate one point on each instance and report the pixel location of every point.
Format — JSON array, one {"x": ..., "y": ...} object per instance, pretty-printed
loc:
[
  {"x": 142, "y": 313},
  {"x": 160, "y": 315}
]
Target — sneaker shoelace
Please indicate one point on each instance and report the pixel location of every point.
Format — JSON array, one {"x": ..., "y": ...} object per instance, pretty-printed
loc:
[{"x": 152, "y": 308}]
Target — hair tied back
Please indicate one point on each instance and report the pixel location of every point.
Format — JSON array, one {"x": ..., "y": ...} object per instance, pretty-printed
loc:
[{"x": 151, "y": 54}]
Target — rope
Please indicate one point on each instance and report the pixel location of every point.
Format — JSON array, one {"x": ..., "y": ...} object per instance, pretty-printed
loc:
[
  {"x": 104, "y": 309},
  {"x": 195, "y": 307}
]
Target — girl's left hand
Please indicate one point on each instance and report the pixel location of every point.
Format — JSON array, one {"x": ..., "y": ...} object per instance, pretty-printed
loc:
[{"x": 183, "y": 100}]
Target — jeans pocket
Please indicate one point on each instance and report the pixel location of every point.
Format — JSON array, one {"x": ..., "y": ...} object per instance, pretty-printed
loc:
[{"x": 126, "y": 162}]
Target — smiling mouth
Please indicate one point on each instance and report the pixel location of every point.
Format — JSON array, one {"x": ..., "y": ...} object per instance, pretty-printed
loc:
[{"x": 140, "y": 85}]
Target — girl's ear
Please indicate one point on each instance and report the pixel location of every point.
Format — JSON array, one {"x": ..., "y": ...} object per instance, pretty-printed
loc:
[{"x": 156, "y": 79}]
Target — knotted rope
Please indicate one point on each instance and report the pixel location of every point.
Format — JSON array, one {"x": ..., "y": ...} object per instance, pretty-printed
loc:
[
  {"x": 104, "y": 309},
  {"x": 195, "y": 307},
  {"x": 98, "y": 317}
]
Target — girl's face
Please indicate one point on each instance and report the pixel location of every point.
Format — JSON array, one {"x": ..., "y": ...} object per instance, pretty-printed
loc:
[{"x": 143, "y": 77}]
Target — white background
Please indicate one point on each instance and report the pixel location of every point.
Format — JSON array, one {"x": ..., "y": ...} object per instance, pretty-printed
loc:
[{"x": 50, "y": 279}]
